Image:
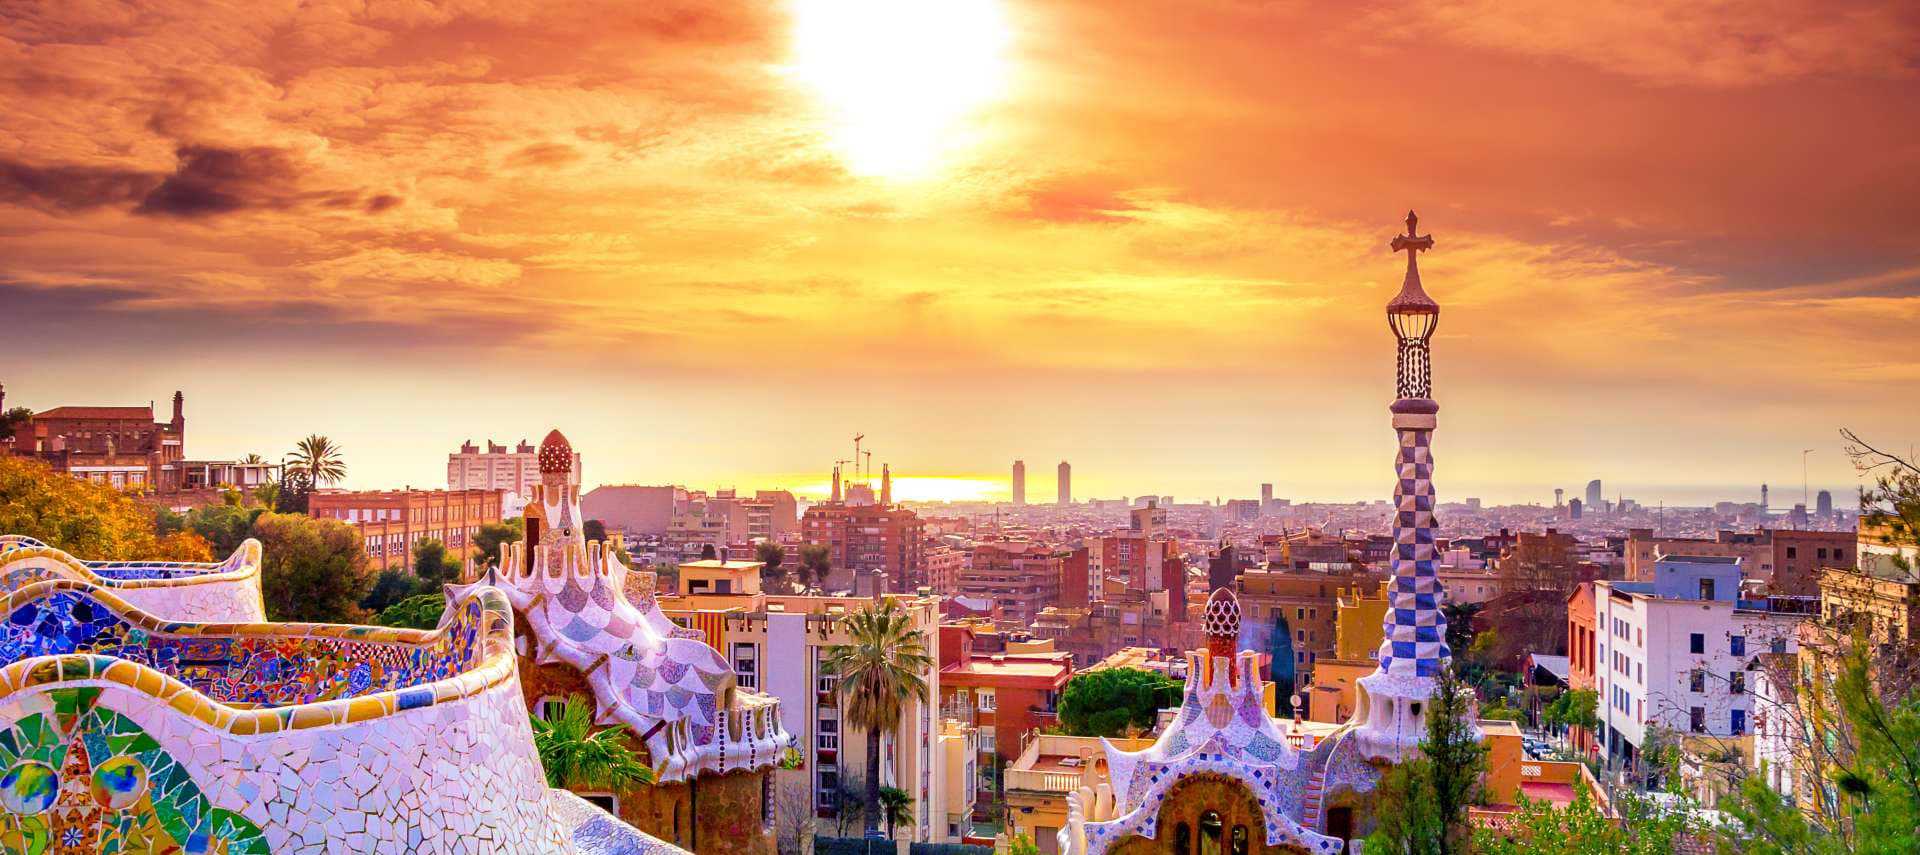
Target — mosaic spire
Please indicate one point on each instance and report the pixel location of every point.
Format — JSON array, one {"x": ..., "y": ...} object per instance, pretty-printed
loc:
[{"x": 1415, "y": 639}]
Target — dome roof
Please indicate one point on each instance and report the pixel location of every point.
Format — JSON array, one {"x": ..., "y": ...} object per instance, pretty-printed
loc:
[{"x": 555, "y": 454}]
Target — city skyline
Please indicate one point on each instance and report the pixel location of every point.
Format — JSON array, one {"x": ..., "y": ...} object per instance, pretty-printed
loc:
[{"x": 385, "y": 234}]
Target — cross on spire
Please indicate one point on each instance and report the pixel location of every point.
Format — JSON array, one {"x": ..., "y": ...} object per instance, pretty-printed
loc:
[{"x": 1412, "y": 242}]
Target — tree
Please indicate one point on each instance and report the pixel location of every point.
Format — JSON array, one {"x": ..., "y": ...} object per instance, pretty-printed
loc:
[
  {"x": 431, "y": 563},
  {"x": 897, "y": 806},
  {"x": 816, "y": 563},
  {"x": 420, "y": 611},
  {"x": 772, "y": 576},
  {"x": 594, "y": 530},
  {"x": 182, "y": 546},
  {"x": 879, "y": 672},
  {"x": 1582, "y": 828},
  {"x": 1021, "y": 844},
  {"x": 1574, "y": 708},
  {"x": 576, "y": 754},
  {"x": 795, "y": 818},
  {"x": 1111, "y": 702},
  {"x": 253, "y": 460},
  {"x": 311, "y": 570},
  {"x": 89, "y": 520},
  {"x": 392, "y": 586},
  {"x": 268, "y": 495},
  {"x": 13, "y": 420},
  {"x": 319, "y": 458},
  {"x": 225, "y": 525},
  {"x": 1423, "y": 802},
  {"x": 488, "y": 540}
]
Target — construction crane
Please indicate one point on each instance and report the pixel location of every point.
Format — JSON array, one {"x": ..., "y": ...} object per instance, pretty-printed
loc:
[{"x": 856, "y": 453}]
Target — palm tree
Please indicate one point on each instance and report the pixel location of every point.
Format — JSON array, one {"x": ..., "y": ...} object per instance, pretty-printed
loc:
[
  {"x": 898, "y": 807},
  {"x": 816, "y": 563},
  {"x": 320, "y": 459},
  {"x": 879, "y": 670},
  {"x": 576, "y": 755},
  {"x": 253, "y": 459}
]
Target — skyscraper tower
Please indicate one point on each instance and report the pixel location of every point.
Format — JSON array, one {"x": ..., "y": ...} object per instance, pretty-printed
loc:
[
  {"x": 1823, "y": 503},
  {"x": 1019, "y": 483},
  {"x": 1763, "y": 498},
  {"x": 1066, "y": 483},
  {"x": 1596, "y": 498},
  {"x": 1392, "y": 700}
]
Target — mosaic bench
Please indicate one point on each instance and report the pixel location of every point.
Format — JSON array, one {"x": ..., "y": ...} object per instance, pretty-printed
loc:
[{"x": 225, "y": 591}]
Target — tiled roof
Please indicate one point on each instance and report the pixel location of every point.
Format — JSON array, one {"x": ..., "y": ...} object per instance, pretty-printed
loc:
[{"x": 97, "y": 413}]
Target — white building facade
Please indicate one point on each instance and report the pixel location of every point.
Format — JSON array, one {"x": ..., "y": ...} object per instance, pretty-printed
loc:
[
  {"x": 497, "y": 468},
  {"x": 1681, "y": 653}
]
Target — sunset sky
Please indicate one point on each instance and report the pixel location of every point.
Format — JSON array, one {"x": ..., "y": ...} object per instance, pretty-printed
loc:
[{"x": 1677, "y": 242}]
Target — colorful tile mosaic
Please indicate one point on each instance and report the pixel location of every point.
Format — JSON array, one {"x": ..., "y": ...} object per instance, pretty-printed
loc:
[
  {"x": 227, "y": 591},
  {"x": 662, "y": 680},
  {"x": 84, "y": 778}
]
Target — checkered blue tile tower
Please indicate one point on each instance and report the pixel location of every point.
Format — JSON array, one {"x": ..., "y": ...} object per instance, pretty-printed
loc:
[{"x": 1389, "y": 721}]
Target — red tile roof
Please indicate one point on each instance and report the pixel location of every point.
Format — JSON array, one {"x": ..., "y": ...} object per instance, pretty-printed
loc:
[{"x": 97, "y": 413}]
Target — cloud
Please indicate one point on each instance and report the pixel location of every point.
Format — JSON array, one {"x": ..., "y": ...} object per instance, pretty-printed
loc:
[
  {"x": 72, "y": 188},
  {"x": 1719, "y": 43}
]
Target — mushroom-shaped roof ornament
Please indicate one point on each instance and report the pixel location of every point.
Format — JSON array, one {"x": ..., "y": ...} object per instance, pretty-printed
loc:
[
  {"x": 555, "y": 454},
  {"x": 1221, "y": 621}
]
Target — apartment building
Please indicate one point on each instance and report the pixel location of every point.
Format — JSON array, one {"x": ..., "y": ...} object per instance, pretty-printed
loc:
[
  {"x": 1020, "y": 577},
  {"x": 390, "y": 522},
  {"x": 777, "y": 645}
]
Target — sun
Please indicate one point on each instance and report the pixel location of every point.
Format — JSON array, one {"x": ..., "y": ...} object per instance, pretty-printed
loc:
[{"x": 897, "y": 79}]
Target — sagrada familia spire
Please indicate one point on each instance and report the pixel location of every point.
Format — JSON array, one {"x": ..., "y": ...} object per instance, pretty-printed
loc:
[{"x": 1390, "y": 714}]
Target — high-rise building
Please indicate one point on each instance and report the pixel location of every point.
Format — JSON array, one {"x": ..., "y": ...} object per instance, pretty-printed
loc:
[
  {"x": 1266, "y": 495},
  {"x": 1823, "y": 504},
  {"x": 1390, "y": 719},
  {"x": 865, "y": 537},
  {"x": 1066, "y": 483},
  {"x": 1574, "y": 507},
  {"x": 1019, "y": 483},
  {"x": 1021, "y": 578},
  {"x": 1596, "y": 498},
  {"x": 497, "y": 468}
]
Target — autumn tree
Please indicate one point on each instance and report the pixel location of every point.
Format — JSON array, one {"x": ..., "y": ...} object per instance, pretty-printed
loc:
[{"x": 91, "y": 521}]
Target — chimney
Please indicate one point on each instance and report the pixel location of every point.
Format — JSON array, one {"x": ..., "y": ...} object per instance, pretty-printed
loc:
[
  {"x": 179, "y": 411},
  {"x": 886, "y": 486}
]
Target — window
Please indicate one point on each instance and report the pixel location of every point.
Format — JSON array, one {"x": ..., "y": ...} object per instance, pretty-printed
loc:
[
  {"x": 1182, "y": 839},
  {"x": 1738, "y": 722},
  {"x": 1239, "y": 846},
  {"x": 1210, "y": 833},
  {"x": 1793, "y": 552},
  {"x": 1777, "y": 645},
  {"x": 746, "y": 665},
  {"x": 1696, "y": 643},
  {"x": 1706, "y": 589},
  {"x": 1823, "y": 553},
  {"x": 1697, "y": 680},
  {"x": 1697, "y": 719},
  {"x": 1737, "y": 683},
  {"x": 986, "y": 702},
  {"x": 1737, "y": 645}
]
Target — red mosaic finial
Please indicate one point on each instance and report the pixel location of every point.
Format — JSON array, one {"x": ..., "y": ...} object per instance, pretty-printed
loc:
[
  {"x": 1221, "y": 620},
  {"x": 556, "y": 456}
]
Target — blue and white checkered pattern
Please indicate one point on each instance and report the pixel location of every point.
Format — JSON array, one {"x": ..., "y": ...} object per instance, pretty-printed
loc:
[{"x": 1415, "y": 631}]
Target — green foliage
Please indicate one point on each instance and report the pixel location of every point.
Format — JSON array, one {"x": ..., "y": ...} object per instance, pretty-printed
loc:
[
  {"x": 1576, "y": 708},
  {"x": 1021, "y": 844},
  {"x": 1582, "y": 828},
  {"x": 880, "y": 670},
  {"x": 392, "y": 586},
  {"x": 593, "y": 530},
  {"x": 1111, "y": 701},
  {"x": 225, "y": 526},
  {"x": 420, "y": 611},
  {"x": 816, "y": 563},
  {"x": 432, "y": 563},
  {"x": 311, "y": 570},
  {"x": 576, "y": 754},
  {"x": 267, "y": 495},
  {"x": 319, "y": 458},
  {"x": 487, "y": 541},
  {"x": 1499, "y": 711},
  {"x": 773, "y": 577},
  {"x": 1423, "y": 802},
  {"x": 13, "y": 420},
  {"x": 897, "y": 806}
]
